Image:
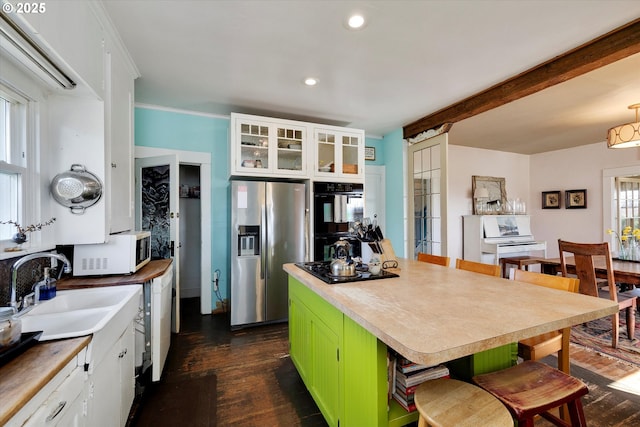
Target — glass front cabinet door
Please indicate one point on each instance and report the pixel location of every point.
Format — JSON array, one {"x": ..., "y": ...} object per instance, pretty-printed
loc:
[
  {"x": 339, "y": 152},
  {"x": 265, "y": 148}
]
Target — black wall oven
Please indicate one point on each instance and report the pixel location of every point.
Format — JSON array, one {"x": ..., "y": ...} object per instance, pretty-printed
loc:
[{"x": 335, "y": 206}]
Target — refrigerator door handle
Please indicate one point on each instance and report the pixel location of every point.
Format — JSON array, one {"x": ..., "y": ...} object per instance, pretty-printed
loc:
[
  {"x": 307, "y": 250},
  {"x": 263, "y": 246}
]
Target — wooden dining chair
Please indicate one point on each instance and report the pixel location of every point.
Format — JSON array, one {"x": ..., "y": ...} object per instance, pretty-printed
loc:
[
  {"x": 535, "y": 348},
  {"x": 478, "y": 267},
  {"x": 434, "y": 259},
  {"x": 583, "y": 256}
]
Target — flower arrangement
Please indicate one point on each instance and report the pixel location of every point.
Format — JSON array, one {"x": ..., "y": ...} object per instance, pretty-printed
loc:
[
  {"x": 628, "y": 238},
  {"x": 21, "y": 236}
]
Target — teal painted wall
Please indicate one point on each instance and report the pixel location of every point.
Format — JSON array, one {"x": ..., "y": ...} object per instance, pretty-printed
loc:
[
  {"x": 190, "y": 132},
  {"x": 378, "y": 145},
  {"x": 394, "y": 200}
]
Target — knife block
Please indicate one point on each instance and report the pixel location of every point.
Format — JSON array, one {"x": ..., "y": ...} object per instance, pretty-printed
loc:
[{"x": 388, "y": 254}]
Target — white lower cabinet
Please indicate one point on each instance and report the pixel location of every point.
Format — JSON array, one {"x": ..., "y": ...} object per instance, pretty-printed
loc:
[
  {"x": 111, "y": 385},
  {"x": 61, "y": 402}
]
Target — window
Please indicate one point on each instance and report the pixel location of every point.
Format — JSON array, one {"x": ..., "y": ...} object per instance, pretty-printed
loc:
[
  {"x": 13, "y": 159},
  {"x": 628, "y": 202}
]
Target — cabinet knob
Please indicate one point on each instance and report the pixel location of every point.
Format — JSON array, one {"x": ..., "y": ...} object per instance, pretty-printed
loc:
[{"x": 114, "y": 165}]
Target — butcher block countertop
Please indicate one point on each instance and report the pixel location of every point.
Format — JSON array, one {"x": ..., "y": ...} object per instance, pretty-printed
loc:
[
  {"x": 153, "y": 269},
  {"x": 24, "y": 376},
  {"x": 432, "y": 314}
]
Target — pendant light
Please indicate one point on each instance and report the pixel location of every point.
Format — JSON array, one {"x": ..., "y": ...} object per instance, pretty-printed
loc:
[{"x": 626, "y": 135}]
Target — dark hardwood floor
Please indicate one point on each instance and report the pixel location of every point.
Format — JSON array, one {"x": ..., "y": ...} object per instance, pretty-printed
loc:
[
  {"x": 256, "y": 382},
  {"x": 218, "y": 377}
]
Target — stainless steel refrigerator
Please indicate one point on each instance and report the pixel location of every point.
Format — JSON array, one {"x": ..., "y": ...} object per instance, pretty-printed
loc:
[{"x": 268, "y": 229}]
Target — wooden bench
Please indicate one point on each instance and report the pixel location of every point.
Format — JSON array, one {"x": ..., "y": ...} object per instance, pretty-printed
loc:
[{"x": 521, "y": 262}]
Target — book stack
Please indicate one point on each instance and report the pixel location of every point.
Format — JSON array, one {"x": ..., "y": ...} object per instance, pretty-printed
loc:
[{"x": 407, "y": 376}]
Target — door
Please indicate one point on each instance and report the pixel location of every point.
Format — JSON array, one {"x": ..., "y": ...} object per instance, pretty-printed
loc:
[
  {"x": 157, "y": 196},
  {"x": 285, "y": 228},
  {"x": 427, "y": 179}
]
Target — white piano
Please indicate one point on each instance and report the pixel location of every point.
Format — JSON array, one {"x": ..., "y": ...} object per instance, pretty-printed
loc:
[{"x": 487, "y": 238}]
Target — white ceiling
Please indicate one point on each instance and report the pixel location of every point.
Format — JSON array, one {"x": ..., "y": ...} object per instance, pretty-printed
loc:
[{"x": 412, "y": 58}]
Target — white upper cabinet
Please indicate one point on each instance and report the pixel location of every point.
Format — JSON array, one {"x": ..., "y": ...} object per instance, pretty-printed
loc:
[
  {"x": 119, "y": 139},
  {"x": 339, "y": 153},
  {"x": 92, "y": 124},
  {"x": 267, "y": 147}
]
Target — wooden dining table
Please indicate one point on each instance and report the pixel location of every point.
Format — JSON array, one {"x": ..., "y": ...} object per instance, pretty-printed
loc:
[{"x": 627, "y": 272}]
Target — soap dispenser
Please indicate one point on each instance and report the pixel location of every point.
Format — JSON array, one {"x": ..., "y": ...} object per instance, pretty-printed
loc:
[{"x": 48, "y": 291}]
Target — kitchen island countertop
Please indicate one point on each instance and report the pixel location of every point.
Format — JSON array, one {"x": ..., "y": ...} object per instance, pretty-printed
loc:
[{"x": 433, "y": 314}]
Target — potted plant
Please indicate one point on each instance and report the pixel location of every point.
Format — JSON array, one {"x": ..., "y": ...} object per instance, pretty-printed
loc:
[{"x": 21, "y": 235}]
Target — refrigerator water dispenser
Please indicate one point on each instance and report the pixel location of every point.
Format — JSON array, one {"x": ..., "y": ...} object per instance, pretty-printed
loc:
[{"x": 248, "y": 240}]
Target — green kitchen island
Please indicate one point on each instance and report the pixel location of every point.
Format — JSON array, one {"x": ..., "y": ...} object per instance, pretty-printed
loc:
[{"x": 339, "y": 334}]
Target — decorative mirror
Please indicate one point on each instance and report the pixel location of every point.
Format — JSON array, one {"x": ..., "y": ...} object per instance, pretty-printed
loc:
[{"x": 489, "y": 193}]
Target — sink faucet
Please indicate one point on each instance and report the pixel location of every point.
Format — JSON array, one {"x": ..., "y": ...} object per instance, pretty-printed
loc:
[{"x": 16, "y": 265}]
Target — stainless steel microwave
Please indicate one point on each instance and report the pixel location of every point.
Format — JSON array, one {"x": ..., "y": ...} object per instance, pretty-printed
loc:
[{"x": 122, "y": 253}]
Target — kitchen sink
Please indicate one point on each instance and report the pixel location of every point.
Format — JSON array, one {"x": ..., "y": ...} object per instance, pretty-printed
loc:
[
  {"x": 80, "y": 312},
  {"x": 82, "y": 299}
]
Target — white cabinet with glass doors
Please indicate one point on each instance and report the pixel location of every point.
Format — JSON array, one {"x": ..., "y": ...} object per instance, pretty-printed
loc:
[
  {"x": 339, "y": 153},
  {"x": 262, "y": 146}
]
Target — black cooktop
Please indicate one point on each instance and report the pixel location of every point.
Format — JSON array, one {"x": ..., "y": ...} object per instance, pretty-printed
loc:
[{"x": 321, "y": 270}]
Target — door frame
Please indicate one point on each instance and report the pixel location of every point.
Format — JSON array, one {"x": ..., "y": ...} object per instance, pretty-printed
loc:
[
  {"x": 380, "y": 193},
  {"x": 204, "y": 161}
]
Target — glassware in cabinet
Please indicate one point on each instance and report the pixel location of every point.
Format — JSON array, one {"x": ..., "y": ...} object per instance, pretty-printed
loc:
[
  {"x": 290, "y": 148},
  {"x": 254, "y": 145}
]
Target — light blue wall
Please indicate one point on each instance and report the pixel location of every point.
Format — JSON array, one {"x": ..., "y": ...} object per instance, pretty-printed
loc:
[
  {"x": 189, "y": 132},
  {"x": 394, "y": 172},
  {"x": 378, "y": 145}
]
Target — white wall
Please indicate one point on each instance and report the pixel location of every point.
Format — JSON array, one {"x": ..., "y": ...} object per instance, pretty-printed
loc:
[
  {"x": 464, "y": 162},
  {"x": 572, "y": 169}
]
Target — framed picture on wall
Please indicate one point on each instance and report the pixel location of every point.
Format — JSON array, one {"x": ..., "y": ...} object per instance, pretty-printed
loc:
[
  {"x": 369, "y": 153},
  {"x": 551, "y": 200},
  {"x": 575, "y": 199},
  {"x": 496, "y": 193}
]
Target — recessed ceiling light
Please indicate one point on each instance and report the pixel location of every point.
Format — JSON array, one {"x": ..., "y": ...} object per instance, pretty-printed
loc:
[
  {"x": 311, "y": 81},
  {"x": 356, "y": 21}
]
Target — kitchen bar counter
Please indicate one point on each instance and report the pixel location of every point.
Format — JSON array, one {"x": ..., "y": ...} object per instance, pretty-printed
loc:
[
  {"x": 153, "y": 269},
  {"x": 23, "y": 377},
  {"x": 433, "y": 314},
  {"x": 340, "y": 334}
]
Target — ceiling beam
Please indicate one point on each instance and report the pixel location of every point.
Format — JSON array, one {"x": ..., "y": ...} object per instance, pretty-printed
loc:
[{"x": 611, "y": 47}]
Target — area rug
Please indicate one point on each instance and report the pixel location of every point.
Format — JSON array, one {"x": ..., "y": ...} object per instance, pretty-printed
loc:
[{"x": 596, "y": 335}]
